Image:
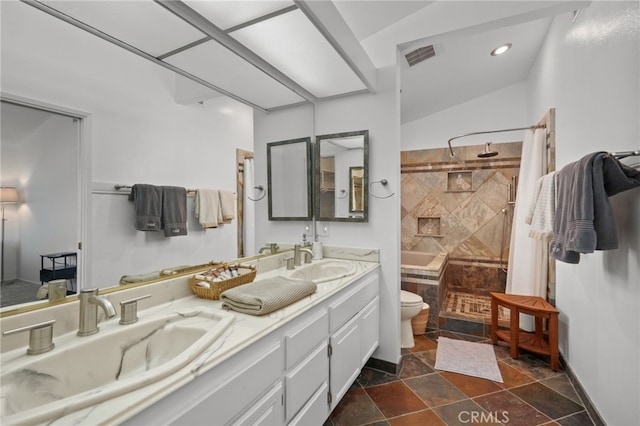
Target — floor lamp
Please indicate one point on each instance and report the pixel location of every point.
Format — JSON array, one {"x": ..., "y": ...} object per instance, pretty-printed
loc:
[{"x": 8, "y": 195}]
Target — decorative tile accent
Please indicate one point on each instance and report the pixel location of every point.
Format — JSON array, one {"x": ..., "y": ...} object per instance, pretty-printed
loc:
[{"x": 472, "y": 305}]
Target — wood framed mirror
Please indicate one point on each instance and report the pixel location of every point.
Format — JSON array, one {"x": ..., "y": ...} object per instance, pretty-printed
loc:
[
  {"x": 342, "y": 176},
  {"x": 289, "y": 179}
]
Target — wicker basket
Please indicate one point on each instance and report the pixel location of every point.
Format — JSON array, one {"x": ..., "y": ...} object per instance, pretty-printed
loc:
[{"x": 247, "y": 273}]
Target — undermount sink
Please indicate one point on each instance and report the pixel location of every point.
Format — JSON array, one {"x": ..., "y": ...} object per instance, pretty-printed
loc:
[
  {"x": 325, "y": 270},
  {"x": 83, "y": 371}
]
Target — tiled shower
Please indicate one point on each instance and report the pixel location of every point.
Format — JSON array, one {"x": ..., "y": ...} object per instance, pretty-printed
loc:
[{"x": 459, "y": 205}]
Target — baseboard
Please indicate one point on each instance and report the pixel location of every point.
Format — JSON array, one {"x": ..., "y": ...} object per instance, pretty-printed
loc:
[
  {"x": 588, "y": 405},
  {"x": 386, "y": 366}
]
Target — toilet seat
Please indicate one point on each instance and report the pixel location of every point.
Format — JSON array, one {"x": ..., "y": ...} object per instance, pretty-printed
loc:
[{"x": 409, "y": 300}]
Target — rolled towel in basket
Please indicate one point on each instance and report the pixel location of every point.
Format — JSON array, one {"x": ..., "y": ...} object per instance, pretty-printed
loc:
[{"x": 265, "y": 296}]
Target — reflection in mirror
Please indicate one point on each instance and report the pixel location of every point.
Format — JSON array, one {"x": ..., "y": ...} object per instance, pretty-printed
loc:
[
  {"x": 289, "y": 179},
  {"x": 341, "y": 163},
  {"x": 39, "y": 154},
  {"x": 356, "y": 191}
]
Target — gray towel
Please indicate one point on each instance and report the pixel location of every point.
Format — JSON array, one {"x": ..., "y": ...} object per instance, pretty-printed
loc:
[
  {"x": 584, "y": 220},
  {"x": 268, "y": 295},
  {"x": 573, "y": 231},
  {"x": 619, "y": 177},
  {"x": 147, "y": 202},
  {"x": 174, "y": 211}
]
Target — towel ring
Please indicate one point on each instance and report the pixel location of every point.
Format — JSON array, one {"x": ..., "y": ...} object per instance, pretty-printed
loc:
[
  {"x": 261, "y": 189},
  {"x": 382, "y": 182}
]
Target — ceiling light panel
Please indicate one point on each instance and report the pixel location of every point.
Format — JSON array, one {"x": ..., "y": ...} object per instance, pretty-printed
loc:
[
  {"x": 228, "y": 14},
  {"x": 216, "y": 64},
  {"x": 292, "y": 44},
  {"x": 141, "y": 24}
]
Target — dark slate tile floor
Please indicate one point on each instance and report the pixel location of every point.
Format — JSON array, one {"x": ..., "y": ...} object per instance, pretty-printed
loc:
[{"x": 531, "y": 394}]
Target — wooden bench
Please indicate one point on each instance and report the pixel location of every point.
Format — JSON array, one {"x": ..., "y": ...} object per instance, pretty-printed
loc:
[{"x": 532, "y": 342}]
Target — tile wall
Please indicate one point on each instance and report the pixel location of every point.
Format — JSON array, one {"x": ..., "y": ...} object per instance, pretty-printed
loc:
[{"x": 454, "y": 204}]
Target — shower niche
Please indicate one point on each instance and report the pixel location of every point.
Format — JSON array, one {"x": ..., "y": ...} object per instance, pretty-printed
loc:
[
  {"x": 460, "y": 181},
  {"x": 429, "y": 226}
]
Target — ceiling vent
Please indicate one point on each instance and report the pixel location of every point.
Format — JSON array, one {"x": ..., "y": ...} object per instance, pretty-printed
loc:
[{"x": 420, "y": 54}]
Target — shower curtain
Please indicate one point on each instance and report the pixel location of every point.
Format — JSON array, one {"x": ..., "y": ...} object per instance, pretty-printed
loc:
[
  {"x": 248, "y": 210},
  {"x": 528, "y": 257}
]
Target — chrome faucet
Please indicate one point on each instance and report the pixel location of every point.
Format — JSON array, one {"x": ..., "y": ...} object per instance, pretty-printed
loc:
[
  {"x": 89, "y": 302},
  {"x": 272, "y": 247},
  {"x": 297, "y": 255}
]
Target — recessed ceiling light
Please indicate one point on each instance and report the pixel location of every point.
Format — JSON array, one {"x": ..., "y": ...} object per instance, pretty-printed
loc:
[{"x": 501, "y": 49}]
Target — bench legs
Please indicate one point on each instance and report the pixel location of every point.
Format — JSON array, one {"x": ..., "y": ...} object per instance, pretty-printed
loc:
[{"x": 514, "y": 335}]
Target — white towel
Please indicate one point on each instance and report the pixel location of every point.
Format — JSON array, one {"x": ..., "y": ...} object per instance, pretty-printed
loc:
[
  {"x": 227, "y": 206},
  {"x": 207, "y": 207},
  {"x": 542, "y": 209}
]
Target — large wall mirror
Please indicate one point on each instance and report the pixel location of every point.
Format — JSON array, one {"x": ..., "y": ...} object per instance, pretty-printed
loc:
[
  {"x": 41, "y": 165},
  {"x": 342, "y": 176},
  {"x": 289, "y": 179}
]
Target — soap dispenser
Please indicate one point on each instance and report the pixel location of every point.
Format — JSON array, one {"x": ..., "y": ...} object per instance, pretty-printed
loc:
[{"x": 316, "y": 248}]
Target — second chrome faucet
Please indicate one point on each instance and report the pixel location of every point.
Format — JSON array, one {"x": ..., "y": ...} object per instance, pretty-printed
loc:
[{"x": 89, "y": 302}]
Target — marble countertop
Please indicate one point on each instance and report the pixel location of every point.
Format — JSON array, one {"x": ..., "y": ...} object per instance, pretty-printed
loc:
[{"x": 245, "y": 330}]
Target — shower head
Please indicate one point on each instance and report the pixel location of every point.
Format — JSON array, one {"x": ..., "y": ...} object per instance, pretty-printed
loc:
[{"x": 487, "y": 151}]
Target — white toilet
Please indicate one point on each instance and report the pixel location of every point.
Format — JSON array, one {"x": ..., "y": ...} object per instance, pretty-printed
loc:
[{"x": 410, "y": 306}]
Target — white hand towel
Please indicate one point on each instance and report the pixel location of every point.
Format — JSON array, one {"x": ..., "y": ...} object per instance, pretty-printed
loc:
[
  {"x": 227, "y": 206},
  {"x": 542, "y": 209},
  {"x": 207, "y": 207}
]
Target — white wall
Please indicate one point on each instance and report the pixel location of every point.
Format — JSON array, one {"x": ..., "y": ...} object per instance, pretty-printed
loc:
[
  {"x": 502, "y": 109},
  {"x": 379, "y": 113},
  {"x": 590, "y": 72},
  {"x": 139, "y": 135},
  {"x": 291, "y": 123}
]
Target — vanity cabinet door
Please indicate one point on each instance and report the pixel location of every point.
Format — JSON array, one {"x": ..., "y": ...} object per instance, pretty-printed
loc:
[
  {"x": 305, "y": 379},
  {"x": 369, "y": 329},
  {"x": 345, "y": 359},
  {"x": 316, "y": 411}
]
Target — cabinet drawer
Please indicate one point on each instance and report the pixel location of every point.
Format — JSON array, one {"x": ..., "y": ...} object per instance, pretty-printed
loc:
[
  {"x": 233, "y": 395},
  {"x": 348, "y": 305},
  {"x": 304, "y": 380},
  {"x": 316, "y": 411},
  {"x": 266, "y": 412},
  {"x": 301, "y": 340}
]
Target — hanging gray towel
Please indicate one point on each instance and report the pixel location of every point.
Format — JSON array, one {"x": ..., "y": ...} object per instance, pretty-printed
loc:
[
  {"x": 584, "y": 219},
  {"x": 573, "y": 229},
  {"x": 268, "y": 295},
  {"x": 147, "y": 202},
  {"x": 174, "y": 211},
  {"x": 619, "y": 177}
]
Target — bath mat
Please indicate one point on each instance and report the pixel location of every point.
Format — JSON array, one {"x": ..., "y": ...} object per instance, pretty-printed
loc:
[{"x": 472, "y": 359}]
